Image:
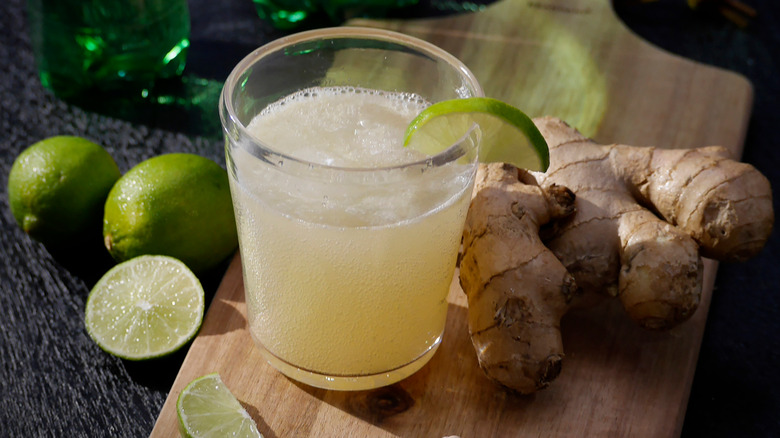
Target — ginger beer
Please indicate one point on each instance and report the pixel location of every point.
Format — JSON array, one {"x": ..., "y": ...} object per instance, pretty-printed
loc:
[{"x": 346, "y": 281}]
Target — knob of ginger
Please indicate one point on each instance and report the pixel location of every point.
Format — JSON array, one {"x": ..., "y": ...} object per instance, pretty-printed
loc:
[{"x": 642, "y": 219}]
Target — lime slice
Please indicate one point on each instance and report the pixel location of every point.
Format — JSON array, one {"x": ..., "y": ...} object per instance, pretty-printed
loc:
[
  {"x": 146, "y": 307},
  {"x": 207, "y": 408},
  {"x": 508, "y": 135}
]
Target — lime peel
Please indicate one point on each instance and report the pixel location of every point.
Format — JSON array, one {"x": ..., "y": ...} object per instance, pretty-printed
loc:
[
  {"x": 146, "y": 307},
  {"x": 508, "y": 134},
  {"x": 207, "y": 408}
]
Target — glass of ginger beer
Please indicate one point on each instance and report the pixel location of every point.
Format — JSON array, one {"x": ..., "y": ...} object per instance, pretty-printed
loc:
[{"x": 348, "y": 240}]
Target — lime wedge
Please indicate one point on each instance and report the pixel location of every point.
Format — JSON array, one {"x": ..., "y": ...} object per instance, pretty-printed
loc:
[
  {"x": 508, "y": 135},
  {"x": 207, "y": 408},
  {"x": 146, "y": 307}
]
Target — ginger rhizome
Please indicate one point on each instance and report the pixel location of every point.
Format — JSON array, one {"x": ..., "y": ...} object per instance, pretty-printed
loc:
[
  {"x": 641, "y": 220},
  {"x": 517, "y": 341}
]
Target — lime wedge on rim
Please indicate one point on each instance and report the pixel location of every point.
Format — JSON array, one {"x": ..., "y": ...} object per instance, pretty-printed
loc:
[
  {"x": 146, "y": 307},
  {"x": 508, "y": 135},
  {"x": 207, "y": 408}
]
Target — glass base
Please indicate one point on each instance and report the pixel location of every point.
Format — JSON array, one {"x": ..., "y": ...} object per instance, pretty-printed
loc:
[{"x": 351, "y": 382}]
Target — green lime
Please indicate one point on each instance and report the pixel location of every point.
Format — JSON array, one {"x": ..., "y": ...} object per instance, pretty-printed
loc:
[
  {"x": 207, "y": 408},
  {"x": 57, "y": 187},
  {"x": 146, "y": 307},
  {"x": 508, "y": 135},
  {"x": 175, "y": 204}
]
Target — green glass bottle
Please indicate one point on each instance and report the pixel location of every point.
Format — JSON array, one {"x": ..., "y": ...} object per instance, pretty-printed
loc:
[
  {"x": 341, "y": 10},
  {"x": 288, "y": 14},
  {"x": 87, "y": 47},
  {"x": 295, "y": 14}
]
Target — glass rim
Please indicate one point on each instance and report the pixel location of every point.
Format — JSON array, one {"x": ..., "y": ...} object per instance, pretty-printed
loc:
[{"x": 346, "y": 32}]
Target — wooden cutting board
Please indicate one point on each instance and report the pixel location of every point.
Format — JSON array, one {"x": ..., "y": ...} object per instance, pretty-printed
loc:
[{"x": 575, "y": 60}]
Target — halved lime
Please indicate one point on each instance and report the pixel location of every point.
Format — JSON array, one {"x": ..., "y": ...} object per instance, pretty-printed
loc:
[
  {"x": 207, "y": 408},
  {"x": 146, "y": 307},
  {"x": 508, "y": 135}
]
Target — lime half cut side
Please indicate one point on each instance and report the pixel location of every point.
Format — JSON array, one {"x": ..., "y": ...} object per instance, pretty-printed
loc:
[
  {"x": 207, "y": 408},
  {"x": 145, "y": 307},
  {"x": 508, "y": 135}
]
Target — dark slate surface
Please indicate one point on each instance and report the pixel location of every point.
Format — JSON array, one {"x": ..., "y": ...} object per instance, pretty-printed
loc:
[{"x": 54, "y": 381}]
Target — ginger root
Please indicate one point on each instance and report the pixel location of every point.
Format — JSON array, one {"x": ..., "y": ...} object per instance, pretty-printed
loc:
[
  {"x": 642, "y": 219},
  {"x": 503, "y": 260}
]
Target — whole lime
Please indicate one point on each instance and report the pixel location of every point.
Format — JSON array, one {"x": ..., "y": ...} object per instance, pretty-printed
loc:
[
  {"x": 57, "y": 187},
  {"x": 177, "y": 205}
]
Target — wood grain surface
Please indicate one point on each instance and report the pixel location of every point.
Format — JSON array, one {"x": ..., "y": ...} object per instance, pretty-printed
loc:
[{"x": 573, "y": 60}]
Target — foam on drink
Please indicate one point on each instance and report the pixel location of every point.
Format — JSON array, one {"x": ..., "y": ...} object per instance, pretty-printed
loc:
[{"x": 341, "y": 126}]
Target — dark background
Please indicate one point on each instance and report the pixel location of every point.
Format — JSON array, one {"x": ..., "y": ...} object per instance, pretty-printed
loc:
[{"x": 55, "y": 381}]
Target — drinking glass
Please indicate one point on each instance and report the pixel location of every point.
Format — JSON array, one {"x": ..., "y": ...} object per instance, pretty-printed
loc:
[{"x": 346, "y": 267}]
